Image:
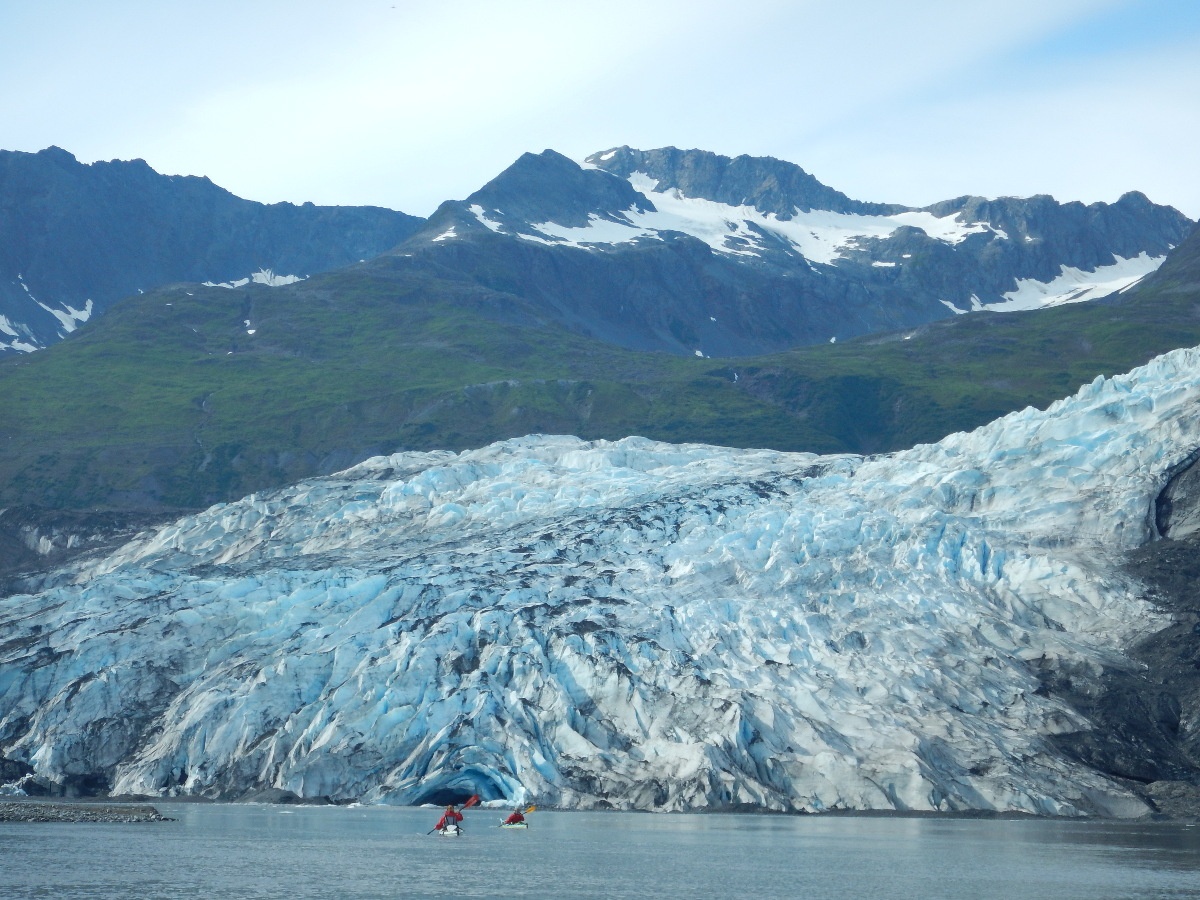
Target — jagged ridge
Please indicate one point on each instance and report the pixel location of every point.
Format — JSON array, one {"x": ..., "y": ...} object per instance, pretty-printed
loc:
[
  {"x": 76, "y": 238},
  {"x": 696, "y": 253}
]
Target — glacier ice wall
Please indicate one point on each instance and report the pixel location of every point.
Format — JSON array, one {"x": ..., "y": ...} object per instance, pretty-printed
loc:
[{"x": 628, "y": 624}]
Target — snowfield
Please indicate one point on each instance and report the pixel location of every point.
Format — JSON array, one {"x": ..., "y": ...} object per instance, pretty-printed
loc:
[
  {"x": 1071, "y": 286},
  {"x": 818, "y": 237},
  {"x": 628, "y": 624}
]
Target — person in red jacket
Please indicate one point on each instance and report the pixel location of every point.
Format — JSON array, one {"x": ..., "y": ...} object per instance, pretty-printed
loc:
[
  {"x": 450, "y": 817},
  {"x": 514, "y": 818}
]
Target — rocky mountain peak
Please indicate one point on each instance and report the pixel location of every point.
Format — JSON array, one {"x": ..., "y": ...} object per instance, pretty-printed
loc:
[
  {"x": 701, "y": 254},
  {"x": 549, "y": 187},
  {"x": 769, "y": 185},
  {"x": 57, "y": 154}
]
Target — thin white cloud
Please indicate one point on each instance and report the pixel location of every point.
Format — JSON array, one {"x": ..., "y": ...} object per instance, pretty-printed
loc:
[
  {"x": 408, "y": 102},
  {"x": 1086, "y": 134}
]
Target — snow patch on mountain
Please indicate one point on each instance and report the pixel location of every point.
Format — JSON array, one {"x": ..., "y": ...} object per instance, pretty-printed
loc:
[
  {"x": 21, "y": 337},
  {"x": 820, "y": 236},
  {"x": 481, "y": 214},
  {"x": 69, "y": 317},
  {"x": 599, "y": 231},
  {"x": 629, "y": 624},
  {"x": 262, "y": 276},
  {"x": 1077, "y": 285}
]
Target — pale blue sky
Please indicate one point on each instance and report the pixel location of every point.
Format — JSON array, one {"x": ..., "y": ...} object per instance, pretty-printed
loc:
[{"x": 405, "y": 103}]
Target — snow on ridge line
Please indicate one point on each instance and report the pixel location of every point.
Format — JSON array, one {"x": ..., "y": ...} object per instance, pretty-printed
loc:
[
  {"x": 820, "y": 236},
  {"x": 627, "y": 623}
]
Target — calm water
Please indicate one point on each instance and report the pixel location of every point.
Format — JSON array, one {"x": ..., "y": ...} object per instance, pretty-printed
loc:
[{"x": 264, "y": 851}]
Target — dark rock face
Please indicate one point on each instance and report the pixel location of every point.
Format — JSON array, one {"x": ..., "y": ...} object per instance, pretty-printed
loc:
[
  {"x": 73, "y": 233},
  {"x": 550, "y": 184},
  {"x": 770, "y": 185},
  {"x": 13, "y": 770},
  {"x": 1177, "y": 507},
  {"x": 1145, "y": 709},
  {"x": 675, "y": 295},
  {"x": 1046, "y": 235},
  {"x": 34, "y": 540},
  {"x": 1146, "y": 718}
]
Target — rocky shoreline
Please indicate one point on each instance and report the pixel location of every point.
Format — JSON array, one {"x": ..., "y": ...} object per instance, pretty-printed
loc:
[
  {"x": 22, "y": 810},
  {"x": 1175, "y": 803}
]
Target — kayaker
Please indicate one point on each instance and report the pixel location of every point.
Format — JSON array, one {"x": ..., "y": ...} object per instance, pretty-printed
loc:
[
  {"x": 450, "y": 817},
  {"x": 515, "y": 818}
]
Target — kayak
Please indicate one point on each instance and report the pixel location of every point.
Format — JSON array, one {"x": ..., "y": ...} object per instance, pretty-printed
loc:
[
  {"x": 515, "y": 825},
  {"x": 451, "y": 830}
]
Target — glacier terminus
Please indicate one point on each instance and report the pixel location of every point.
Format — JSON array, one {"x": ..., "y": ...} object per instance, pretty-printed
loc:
[{"x": 628, "y": 624}]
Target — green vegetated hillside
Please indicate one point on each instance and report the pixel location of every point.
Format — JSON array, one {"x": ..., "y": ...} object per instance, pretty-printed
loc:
[{"x": 191, "y": 395}]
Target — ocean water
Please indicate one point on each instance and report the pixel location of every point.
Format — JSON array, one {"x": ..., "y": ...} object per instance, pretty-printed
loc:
[{"x": 251, "y": 851}]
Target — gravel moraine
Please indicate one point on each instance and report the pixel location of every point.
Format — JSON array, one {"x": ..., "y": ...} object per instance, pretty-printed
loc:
[{"x": 49, "y": 811}]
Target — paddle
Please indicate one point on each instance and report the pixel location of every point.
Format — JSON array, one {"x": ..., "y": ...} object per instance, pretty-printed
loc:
[{"x": 471, "y": 801}]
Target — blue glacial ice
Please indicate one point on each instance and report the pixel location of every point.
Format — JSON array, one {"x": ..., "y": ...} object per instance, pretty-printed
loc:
[{"x": 623, "y": 624}]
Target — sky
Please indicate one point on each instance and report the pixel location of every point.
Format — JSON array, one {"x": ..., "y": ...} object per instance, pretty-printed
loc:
[{"x": 406, "y": 103}]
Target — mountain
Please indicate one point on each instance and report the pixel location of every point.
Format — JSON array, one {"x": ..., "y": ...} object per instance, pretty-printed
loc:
[
  {"x": 189, "y": 395},
  {"x": 684, "y": 251},
  {"x": 700, "y": 254},
  {"x": 76, "y": 238},
  {"x": 639, "y": 625}
]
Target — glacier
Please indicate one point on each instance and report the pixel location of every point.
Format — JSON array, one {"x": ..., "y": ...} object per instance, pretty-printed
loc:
[{"x": 628, "y": 624}]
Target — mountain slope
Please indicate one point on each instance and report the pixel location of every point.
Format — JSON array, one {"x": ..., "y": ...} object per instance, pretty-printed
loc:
[
  {"x": 699, "y": 254},
  {"x": 634, "y": 625},
  {"x": 684, "y": 251},
  {"x": 75, "y": 238},
  {"x": 192, "y": 395},
  {"x": 173, "y": 401}
]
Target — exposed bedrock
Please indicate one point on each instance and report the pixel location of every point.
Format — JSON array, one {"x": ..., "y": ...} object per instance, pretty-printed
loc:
[
  {"x": 1147, "y": 715},
  {"x": 35, "y": 540},
  {"x": 1177, "y": 508}
]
